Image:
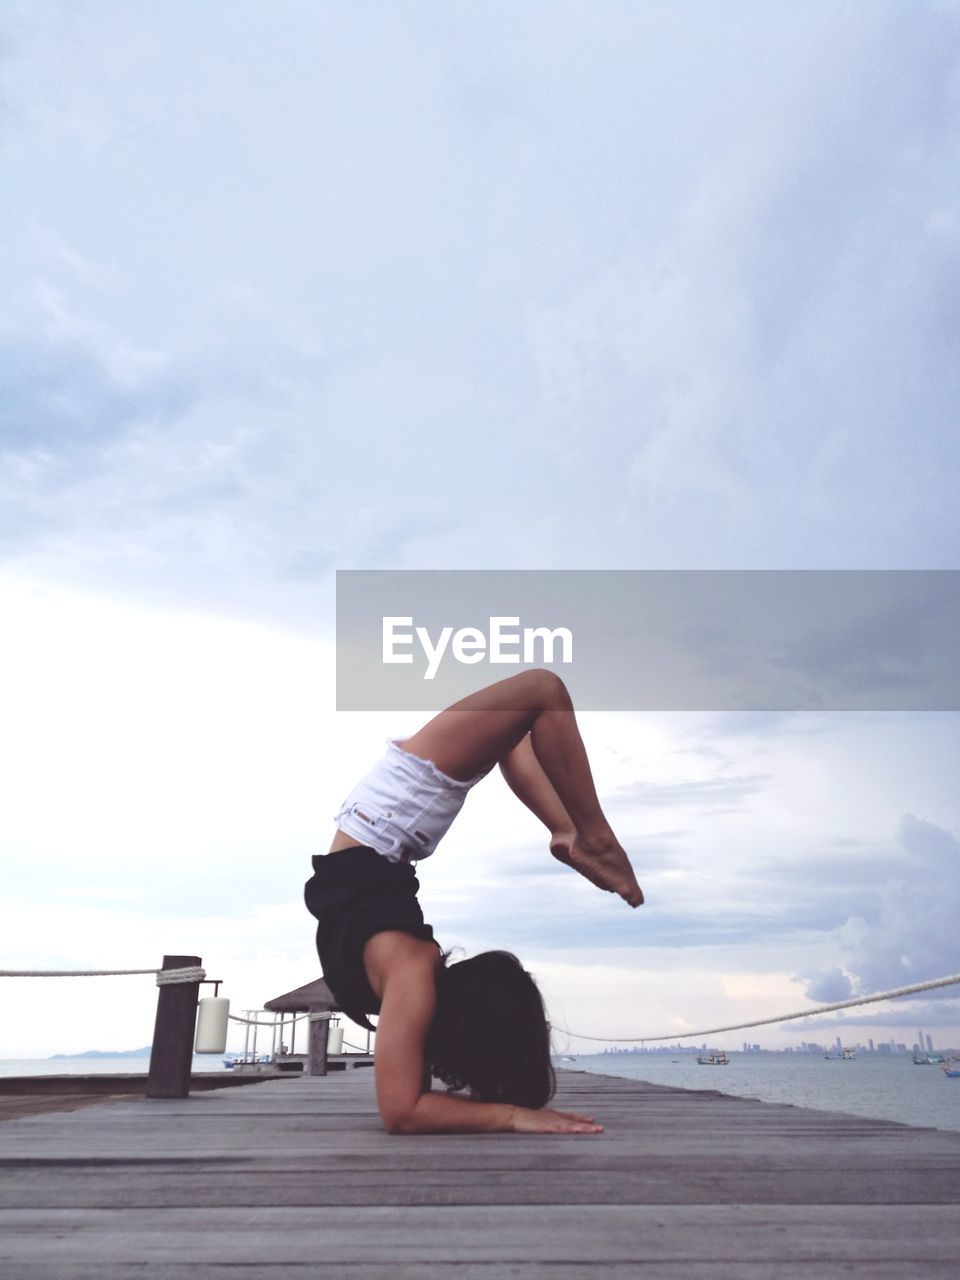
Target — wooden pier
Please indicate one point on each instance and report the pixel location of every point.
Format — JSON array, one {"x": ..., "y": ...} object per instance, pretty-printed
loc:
[{"x": 295, "y": 1178}]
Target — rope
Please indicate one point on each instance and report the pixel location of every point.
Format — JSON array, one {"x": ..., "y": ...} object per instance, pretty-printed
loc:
[
  {"x": 164, "y": 976},
  {"x": 252, "y": 1022},
  {"x": 783, "y": 1017},
  {"x": 191, "y": 974}
]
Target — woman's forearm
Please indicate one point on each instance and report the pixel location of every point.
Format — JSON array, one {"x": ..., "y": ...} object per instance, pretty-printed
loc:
[{"x": 444, "y": 1113}]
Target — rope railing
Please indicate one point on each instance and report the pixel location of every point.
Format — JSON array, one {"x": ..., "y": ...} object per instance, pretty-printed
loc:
[
  {"x": 252, "y": 1022},
  {"x": 173, "y": 976},
  {"x": 194, "y": 973},
  {"x": 191, "y": 973},
  {"x": 176, "y": 1025},
  {"x": 895, "y": 994}
]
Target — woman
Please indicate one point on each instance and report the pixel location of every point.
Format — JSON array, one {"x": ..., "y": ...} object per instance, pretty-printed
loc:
[{"x": 479, "y": 1024}]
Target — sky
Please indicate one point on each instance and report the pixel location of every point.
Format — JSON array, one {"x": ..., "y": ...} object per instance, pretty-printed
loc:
[{"x": 303, "y": 287}]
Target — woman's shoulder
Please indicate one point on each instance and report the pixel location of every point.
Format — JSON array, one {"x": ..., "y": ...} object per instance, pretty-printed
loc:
[{"x": 392, "y": 953}]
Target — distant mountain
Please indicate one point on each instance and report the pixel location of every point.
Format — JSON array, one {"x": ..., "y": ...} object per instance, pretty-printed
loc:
[{"x": 106, "y": 1053}]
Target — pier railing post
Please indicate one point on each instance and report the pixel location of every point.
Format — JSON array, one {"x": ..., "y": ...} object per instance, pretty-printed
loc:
[
  {"x": 317, "y": 1060},
  {"x": 173, "y": 1031}
]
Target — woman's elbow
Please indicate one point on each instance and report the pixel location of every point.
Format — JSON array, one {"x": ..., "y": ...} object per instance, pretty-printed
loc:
[
  {"x": 400, "y": 1124},
  {"x": 398, "y": 1121}
]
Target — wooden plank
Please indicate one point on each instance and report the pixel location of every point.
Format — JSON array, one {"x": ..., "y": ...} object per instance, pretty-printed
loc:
[
  {"x": 680, "y": 1184},
  {"x": 664, "y": 1182},
  {"x": 640, "y": 1269},
  {"x": 912, "y": 1235}
]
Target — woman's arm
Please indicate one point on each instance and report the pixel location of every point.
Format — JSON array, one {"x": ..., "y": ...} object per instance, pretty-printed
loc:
[
  {"x": 402, "y": 970},
  {"x": 408, "y": 1001},
  {"x": 445, "y": 1113}
]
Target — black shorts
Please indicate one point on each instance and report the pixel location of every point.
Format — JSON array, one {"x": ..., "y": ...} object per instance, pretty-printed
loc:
[{"x": 355, "y": 893}]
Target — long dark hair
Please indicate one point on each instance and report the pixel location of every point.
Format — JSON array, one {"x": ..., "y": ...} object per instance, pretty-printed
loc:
[{"x": 490, "y": 1032}]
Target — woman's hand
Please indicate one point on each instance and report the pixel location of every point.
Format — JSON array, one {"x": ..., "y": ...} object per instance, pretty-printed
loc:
[{"x": 546, "y": 1120}]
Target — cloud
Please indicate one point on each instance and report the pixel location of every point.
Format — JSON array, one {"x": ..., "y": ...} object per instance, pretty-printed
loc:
[
  {"x": 888, "y": 632},
  {"x": 912, "y": 935},
  {"x": 576, "y": 293},
  {"x": 943, "y": 1014},
  {"x": 60, "y": 395},
  {"x": 560, "y": 296},
  {"x": 763, "y": 724},
  {"x": 915, "y": 938},
  {"x": 697, "y": 792},
  {"x": 759, "y": 346},
  {"x": 826, "y": 987},
  {"x": 527, "y": 899}
]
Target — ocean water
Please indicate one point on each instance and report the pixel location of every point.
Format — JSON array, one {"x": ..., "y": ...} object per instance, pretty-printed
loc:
[
  {"x": 887, "y": 1088},
  {"x": 97, "y": 1066}
]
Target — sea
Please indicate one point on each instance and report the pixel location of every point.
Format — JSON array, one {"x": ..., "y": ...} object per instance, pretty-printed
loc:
[
  {"x": 884, "y": 1087},
  {"x": 121, "y": 1065}
]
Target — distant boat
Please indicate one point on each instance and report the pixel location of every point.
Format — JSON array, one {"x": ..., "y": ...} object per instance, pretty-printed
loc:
[
  {"x": 928, "y": 1059},
  {"x": 952, "y": 1068},
  {"x": 240, "y": 1059},
  {"x": 713, "y": 1059},
  {"x": 844, "y": 1055}
]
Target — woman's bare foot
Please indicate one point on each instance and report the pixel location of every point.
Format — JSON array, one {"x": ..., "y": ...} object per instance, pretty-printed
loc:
[
  {"x": 604, "y": 863},
  {"x": 561, "y": 843}
]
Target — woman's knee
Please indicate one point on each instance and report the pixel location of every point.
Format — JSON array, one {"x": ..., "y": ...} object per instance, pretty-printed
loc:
[{"x": 546, "y": 687}]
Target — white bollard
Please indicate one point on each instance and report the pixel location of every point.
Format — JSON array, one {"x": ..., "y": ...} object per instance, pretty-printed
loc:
[
  {"x": 212, "y": 1015},
  {"x": 334, "y": 1039}
]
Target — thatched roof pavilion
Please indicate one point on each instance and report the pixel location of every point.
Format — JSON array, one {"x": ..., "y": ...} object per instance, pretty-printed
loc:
[{"x": 312, "y": 997}]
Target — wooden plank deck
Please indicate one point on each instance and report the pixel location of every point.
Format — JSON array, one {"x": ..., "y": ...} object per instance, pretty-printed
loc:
[{"x": 296, "y": 1177}]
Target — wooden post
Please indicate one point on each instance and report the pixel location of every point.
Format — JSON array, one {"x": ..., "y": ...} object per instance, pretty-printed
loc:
[
  {"x": 317, "y": 1061},
  {"x": 173, "y": 1031}
]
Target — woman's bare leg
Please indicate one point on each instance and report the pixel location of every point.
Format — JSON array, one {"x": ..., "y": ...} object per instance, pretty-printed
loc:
[
  {"x": 524, "y": 775},
  {"x": 479, "y": 731}
]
